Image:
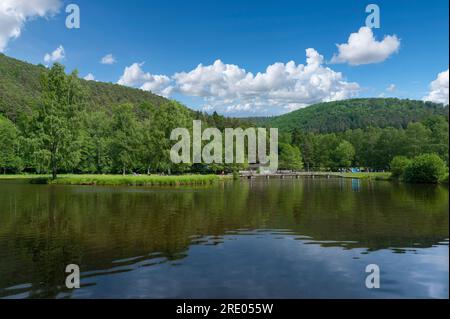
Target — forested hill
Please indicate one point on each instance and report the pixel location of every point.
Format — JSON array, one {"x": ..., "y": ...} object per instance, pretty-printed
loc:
[
  {"x": 53, "y": 122},
  {"x": 356, "y": 113},
  {"x": 20, "y": 89}
]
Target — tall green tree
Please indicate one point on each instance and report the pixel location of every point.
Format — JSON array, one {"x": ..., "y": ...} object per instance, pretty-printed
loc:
[
  {"x": 9, "y": 146},
  {"x": 390, "y": 143},
  {"x": 343, "y": 155},
  {"x": 96, "y": 143},
  {"x": 290, "y": 157},
  {"x": 417, "y": 139},
  {"x": 324, "y": 147},
  {"x": 305, "y": 142},
  {"x": 358, "y": 138},
  {"x": 439, "y": 139},
  {"x": 126, "y": 139},
  {"x": 167, "y": 117},
  {"x": 57, "y": 122}
]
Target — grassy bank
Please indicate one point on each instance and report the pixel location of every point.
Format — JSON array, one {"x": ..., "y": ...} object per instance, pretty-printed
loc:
[
  {"x": 115, "y": 180},
  {"x": 385, "y": 176},
  {"x": 144, "y": 180},
  {"x": 158, "y": 180},
  {"x": 22, "y": 176}
]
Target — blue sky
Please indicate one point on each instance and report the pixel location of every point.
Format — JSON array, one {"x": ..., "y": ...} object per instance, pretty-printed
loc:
[{"x": 247, "y": 36}]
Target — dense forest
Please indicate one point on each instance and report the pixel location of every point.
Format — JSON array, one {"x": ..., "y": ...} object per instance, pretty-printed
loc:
[
  {"x": 340, "y": 116},
  {"x": 51, "y": 121},
  {"x": 372, "y": 147}
]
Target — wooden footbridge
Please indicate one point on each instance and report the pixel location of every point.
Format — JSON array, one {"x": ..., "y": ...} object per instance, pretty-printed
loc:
[{"x": 288, "y": 174}]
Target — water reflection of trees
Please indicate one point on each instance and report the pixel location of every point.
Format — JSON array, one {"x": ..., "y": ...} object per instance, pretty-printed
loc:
[{"x": 44, "y": 228}]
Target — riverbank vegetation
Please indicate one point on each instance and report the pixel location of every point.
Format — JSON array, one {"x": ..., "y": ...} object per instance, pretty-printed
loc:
[
  {"x": 116, "y": 180},
  {"x": 145, "y": 180},
  {"x": 425, "y": 168},
  {"x": 384, "y": 176}
]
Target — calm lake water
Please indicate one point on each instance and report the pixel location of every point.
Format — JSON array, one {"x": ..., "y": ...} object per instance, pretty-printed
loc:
[{"x": 305, "y": 238}]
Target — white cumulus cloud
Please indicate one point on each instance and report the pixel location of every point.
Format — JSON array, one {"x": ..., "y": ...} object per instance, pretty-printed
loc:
[
  {"x": 391, "y": 88},
  {"x": 439, "y": 89},
  {"x": 15, "y": 13},
  {"x": 133, "y": 75},
  {"x": 108, "y": 59},
  {"x": 89, "y": 77},
  {"x": 57, "y": 55},
  {"x": 227, "y": 87},
  {"x": 363, "y": 48}
]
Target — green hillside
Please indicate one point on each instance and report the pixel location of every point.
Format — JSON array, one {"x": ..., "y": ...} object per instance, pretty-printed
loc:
[
  {"x": 20, "y": 87},
  {"x": 356, "y": 113}
]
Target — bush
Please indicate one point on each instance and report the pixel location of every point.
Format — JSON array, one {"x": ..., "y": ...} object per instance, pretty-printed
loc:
[
  {"x": 398, "y": 166},
  {"x": 426, "y": 168}
]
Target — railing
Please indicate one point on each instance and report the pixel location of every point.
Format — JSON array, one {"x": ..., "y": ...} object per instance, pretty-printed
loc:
[{"x": 281, "y": 174}]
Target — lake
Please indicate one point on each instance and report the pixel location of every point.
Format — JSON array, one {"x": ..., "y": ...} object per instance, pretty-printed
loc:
[{"x": 278, "y": 238}]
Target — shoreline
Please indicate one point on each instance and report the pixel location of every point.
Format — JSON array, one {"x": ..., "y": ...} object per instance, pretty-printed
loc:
[
  {"x": 164, "y": 180},
  {"x": 119, "y": 180}
]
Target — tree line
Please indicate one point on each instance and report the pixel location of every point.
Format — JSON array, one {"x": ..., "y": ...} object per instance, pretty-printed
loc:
[
  {"x": 62, "y": 132},
  {"x": 372, "y": 148}
]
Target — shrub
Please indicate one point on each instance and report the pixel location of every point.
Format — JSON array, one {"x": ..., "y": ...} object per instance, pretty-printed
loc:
[
  {"x": 398, "y": 166},
  {"x": 426, "y": 168}
]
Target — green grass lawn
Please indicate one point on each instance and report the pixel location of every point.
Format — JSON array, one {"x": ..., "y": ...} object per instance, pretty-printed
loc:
[
  {"x": 23, "y": 176},
  {"x": 130, "y": 180},
  {"x": 372, "y": 175}
]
